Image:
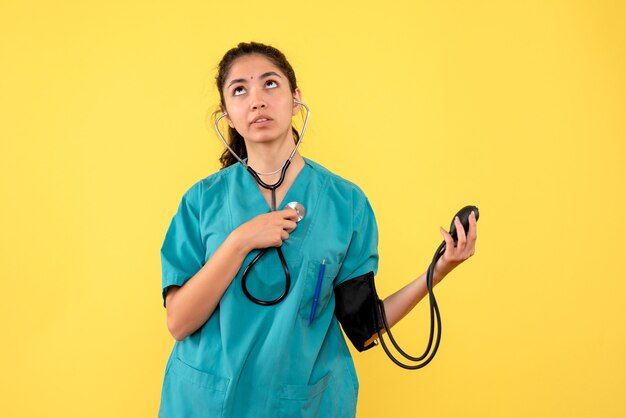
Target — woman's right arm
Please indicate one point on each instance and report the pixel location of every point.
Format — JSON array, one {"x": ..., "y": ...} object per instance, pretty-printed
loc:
[{"x": 190, "y": 306}]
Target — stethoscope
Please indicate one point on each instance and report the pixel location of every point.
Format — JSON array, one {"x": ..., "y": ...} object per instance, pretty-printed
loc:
[{"x": 272, "y": 188}]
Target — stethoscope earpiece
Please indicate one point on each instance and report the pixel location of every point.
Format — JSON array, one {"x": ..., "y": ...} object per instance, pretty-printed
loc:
[{"x": 295, "y": 148}]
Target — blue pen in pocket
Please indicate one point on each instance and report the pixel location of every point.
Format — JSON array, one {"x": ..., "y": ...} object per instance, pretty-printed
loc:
[{"x": 318, "y": 287}]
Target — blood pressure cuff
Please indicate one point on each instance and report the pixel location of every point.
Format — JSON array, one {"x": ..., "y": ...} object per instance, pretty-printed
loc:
[{"x": 356, "y": 309}]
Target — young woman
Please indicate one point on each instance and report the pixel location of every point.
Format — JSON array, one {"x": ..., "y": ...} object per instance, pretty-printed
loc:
[{"x": 237, "y": 358}]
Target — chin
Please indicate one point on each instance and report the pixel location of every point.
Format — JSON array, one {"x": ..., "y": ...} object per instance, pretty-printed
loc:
[{"x": 267, "y": 137}]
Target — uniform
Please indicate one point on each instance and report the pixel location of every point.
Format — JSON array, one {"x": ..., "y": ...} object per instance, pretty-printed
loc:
[{"x": 257, "y": 361}]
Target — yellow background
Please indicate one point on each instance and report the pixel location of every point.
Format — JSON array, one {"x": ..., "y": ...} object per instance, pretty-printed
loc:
[{"x": 517, "y": 107}]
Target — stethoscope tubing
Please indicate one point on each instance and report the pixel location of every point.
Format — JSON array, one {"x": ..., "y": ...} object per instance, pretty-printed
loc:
[
  {"x": 272, "y": 188},
  {"x": 256, "y": 174}
]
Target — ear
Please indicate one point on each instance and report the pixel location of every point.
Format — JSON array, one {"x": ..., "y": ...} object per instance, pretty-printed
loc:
[
  {"x": 230, "y": 122},
  {"x": 297, "y": 95}
]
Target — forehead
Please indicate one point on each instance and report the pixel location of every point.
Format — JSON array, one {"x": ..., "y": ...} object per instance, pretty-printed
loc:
[{"x": 250, "y": 67}]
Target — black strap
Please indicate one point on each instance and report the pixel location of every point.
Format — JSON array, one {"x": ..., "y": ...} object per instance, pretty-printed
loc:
[{"x": 356, "y": 309}]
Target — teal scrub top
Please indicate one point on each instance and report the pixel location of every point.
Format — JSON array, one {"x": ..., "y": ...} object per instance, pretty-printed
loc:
[{"x": 257, "y": 361}]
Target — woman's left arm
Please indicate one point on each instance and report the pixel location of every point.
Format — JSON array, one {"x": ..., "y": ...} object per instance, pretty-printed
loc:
[{"x": 404, "y": 300}]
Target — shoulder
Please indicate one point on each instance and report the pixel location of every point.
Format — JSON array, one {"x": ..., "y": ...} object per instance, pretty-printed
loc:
[
  {"x": 340, "y": 187},
  {"x": 211, "y": 183}
]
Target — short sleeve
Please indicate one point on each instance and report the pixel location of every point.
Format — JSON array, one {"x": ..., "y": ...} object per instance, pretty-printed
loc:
[
  {"x": 182, "y": 252},
  {"x": 362, "y": 254}
]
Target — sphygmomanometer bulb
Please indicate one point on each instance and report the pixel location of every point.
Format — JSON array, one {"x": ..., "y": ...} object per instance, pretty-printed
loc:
[
  {"x": 463, "y": 215},
  {"x": 435, "y": 318}
]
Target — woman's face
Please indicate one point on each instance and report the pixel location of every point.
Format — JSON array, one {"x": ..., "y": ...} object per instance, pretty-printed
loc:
[{"x": 259, "y": 101}]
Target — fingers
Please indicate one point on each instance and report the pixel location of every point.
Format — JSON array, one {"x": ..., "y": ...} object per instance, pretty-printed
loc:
[
  {"x": 287, "y": 225},
  {"x": 466, "y": 243},
  {"x": 290, "y": 214},
  {"x": 447, "y": 238},
  {"x": 281, "y": 223},
  {"x": 471, "y": 234},
  {"x": 460, "y": 233},
  {"x": 288, "y": 219},
  {"x": 453, "y": 256}
]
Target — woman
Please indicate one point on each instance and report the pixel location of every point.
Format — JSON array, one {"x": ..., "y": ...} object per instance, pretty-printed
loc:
[{"x": 236, "y": 358}]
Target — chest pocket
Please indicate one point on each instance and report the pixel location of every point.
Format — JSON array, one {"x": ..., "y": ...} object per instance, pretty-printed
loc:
[{"x": 326, "y": 288}]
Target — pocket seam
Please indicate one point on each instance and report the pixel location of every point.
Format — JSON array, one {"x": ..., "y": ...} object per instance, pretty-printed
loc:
[
  {"x": 197, "y": 377},
  {"x": 305, "y": 392}
]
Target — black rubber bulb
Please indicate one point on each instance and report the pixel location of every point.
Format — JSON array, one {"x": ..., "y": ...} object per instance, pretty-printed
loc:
[{"x": 463, "y": 215}]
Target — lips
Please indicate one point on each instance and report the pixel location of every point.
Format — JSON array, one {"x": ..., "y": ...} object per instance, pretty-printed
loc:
[{"x": 260, "y": 119}]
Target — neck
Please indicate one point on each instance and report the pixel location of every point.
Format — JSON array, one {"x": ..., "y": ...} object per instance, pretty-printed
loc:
[
  {"x": 297, "y": 162},
  {"x": 264, "y": 163},
  {"x": 271, "y": 156}
]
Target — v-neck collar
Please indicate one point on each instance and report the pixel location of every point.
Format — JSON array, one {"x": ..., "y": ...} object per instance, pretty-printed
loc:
[{"x": 291, "y": 195}]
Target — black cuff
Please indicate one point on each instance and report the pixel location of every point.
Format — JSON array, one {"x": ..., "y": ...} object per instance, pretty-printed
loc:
[{"x": 356, "y": 309}]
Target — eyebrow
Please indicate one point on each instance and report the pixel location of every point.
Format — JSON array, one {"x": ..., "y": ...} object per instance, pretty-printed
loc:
[{"x": 264, "y": 75}]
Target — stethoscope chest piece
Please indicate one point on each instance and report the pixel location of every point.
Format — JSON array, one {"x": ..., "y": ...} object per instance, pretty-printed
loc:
[{"x": 299, "y": 208}]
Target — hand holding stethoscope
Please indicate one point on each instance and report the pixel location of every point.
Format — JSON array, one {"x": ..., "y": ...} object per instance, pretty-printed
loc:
[
  {"x": 267, "y": 230},
  {"x": 295, "y": 206}
]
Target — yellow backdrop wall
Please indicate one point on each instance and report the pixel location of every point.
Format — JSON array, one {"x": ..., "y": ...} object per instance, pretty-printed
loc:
[{"x": 517, "y": 107}]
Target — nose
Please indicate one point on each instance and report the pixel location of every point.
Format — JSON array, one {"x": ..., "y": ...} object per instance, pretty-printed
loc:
[
  {"x": 258, "y": 104},
  {"x": 256, "y": 101}
]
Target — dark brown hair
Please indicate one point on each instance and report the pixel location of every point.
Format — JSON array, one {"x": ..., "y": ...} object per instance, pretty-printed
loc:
[{"x": 235, "y": 140}]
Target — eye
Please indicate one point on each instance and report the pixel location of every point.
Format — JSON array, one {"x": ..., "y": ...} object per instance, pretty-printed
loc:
[
  {"x": 271, "y": 84},
  {"x": 238, "y": 91}
]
